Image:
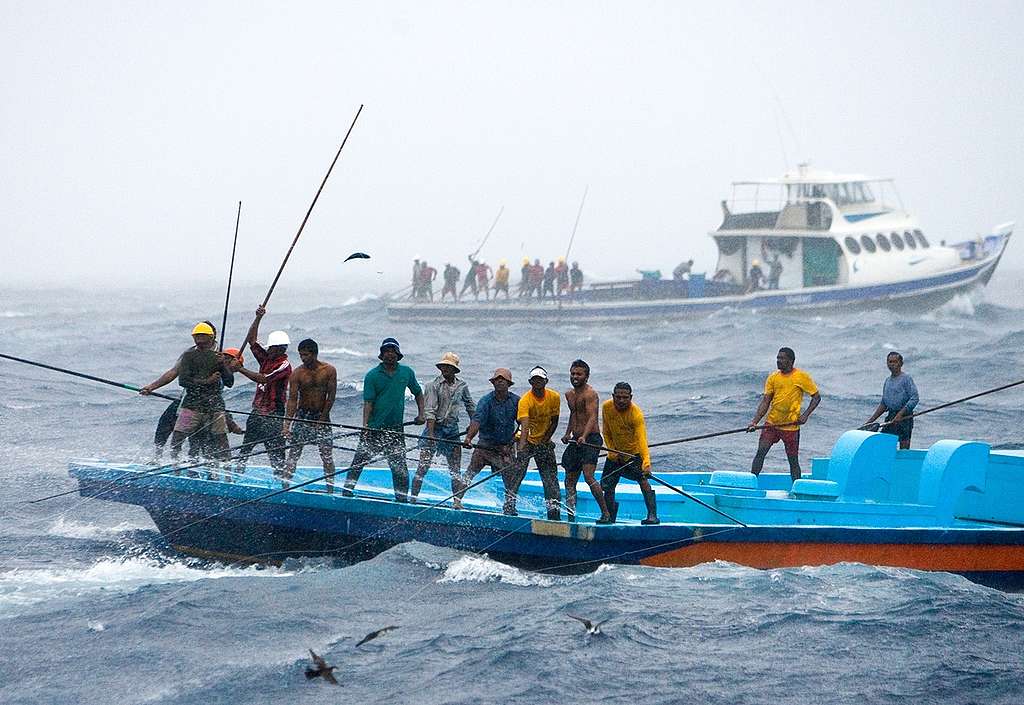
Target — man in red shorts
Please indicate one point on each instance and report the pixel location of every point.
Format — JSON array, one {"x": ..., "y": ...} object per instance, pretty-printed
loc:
[{"x": 783, "y": 396}]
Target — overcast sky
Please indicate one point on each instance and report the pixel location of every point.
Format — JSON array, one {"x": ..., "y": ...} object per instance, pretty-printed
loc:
[{"x": 131, "y": 130}]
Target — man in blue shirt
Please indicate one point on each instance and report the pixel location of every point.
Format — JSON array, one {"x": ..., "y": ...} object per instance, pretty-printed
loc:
[
  {"x": 495, "y": 421},
  {"x": 899, "y": 398}
]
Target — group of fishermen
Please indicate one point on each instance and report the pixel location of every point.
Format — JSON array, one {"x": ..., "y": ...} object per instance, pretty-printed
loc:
[
  {"x": 555, "y": 281},
  {"x": 292, "y": 408}
]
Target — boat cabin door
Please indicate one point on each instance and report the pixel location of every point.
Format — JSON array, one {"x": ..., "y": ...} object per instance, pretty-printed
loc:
[{"x": 821, "y": 261}]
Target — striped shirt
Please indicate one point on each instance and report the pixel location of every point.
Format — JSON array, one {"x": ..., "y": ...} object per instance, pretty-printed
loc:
[{"x": 271, "y": 396}]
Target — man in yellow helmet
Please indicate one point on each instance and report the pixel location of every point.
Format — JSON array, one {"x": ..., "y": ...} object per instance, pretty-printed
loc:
[{"x": 501, "y": 279}]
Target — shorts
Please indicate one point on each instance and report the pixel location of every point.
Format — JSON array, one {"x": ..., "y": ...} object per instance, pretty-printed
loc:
[
  {"x": 790, "y": 439},
  {"x": 902, "y": 429},
  {"x": 576, "y": 455},
  {"x": 501, "y": 458},
  {"x": 445, "y": 442},
  {"x": 305, "y": 432},
  {"x": 191, "y": 421},
  {"x": 615, "y": 470}
]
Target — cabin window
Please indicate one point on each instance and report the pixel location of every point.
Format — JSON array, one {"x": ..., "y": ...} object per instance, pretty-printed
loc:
[
  {"x": 911, "y": 242},
  {"x": 852, "y": 246},
  {"x": 921, "y": 239},
  {"x": 883, "y": 242},
  {"x": 897, "y": 241},
  {"x": 868, "y": 243}
]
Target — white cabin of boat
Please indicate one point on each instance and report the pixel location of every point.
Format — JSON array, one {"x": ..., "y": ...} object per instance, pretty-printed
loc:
[{"x": 827, "y": 229}]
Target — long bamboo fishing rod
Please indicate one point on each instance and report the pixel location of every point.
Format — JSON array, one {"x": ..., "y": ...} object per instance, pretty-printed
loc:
[
  {"x": 306, "y": 218},
  {"x": 947, "y": 404},
  {"x": 577, "y": 223},
  {"x": 488, "y": 233},
  {"x": 101, "y": 380},
  {"x": 231, "y": 272}
]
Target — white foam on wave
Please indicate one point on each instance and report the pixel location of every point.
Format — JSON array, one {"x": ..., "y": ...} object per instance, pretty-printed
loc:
[
  {"x": 14, "y": 314},
  {"x": 481, "y": 569},
  {"x": 353, "y": 300},
  {"x": 343, "y": 351},
  {"x": 20, "y": 587},
  {"x": 75, "y": 530}
]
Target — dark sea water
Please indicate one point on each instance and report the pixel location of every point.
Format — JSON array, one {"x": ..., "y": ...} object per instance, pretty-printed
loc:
[{"x": 93, "y": 608}]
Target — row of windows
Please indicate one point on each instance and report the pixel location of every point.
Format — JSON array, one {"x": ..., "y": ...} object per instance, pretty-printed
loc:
[{"x": 893, "y": 241}]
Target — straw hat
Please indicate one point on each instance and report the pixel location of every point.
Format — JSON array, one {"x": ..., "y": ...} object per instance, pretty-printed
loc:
[
  {"x": 451, "y": 359},
  {"x": 504, "y": 373}
]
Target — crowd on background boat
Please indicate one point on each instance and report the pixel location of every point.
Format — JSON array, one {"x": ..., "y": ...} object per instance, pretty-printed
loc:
[
  {"x": 535, "y": 280},
  {"x": 291, "y": 408}
]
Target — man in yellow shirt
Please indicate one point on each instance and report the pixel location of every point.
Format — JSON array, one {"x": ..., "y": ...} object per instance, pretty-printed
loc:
[
  {"x": 623, "y": 428},
  {"x": 538, "y": 414},
  {"x": 783, "y": 396}
]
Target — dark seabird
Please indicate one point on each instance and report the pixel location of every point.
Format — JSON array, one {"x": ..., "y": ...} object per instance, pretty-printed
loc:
[
  {"x": 592, "y": 628},
  {"x": 373, "y": 635},
  {"x": 357, "y": 255},
  {"x": 322, "y": 670}
]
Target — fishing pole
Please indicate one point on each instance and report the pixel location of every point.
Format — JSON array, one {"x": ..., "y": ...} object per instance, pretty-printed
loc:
[
  {"x": 112, "y": 383},
  {"x": 868, "y": 427},
  {"x": 576, "y": 224},
  {"x": 306, "y": 218},
  {"x": 231, "y": 271},
  {"x": 488, "y": 233}
]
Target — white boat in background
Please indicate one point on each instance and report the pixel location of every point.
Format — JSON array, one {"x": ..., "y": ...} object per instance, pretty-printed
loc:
[{"x": 810, "y": 239}]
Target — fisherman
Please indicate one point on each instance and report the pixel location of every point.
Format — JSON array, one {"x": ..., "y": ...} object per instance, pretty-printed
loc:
[
  {"x": 682, "y": 270},
  {"x": 495, "y": 421},
  {"x": 470, "y": 281},
  {"x": 549, "y": 281},
  {"x": 562, "y": 276},
  {"x": 538, "y": 413},
  {"x": 524, "y": 282},
  {"x": 774, "y": 272},
  {"x": 483, "y": 278},
  {"x": 536, "y": 278},
  {"x": 501, "y": 279},
  {"x": 383, "y": 410},
  {"x": 784, "y": 392},
  {"x": 311, "y": 392},
  {"x": 899, "y": 398},
  {"x": 442, "y": 397},
  {"x": 201, "y": 372},
  {"x": 415, "y": 279},
  {"x": 755, "y": 280},
  {"x": 427, "y": 276},
  {"x": 575, "y": 278},
  {"x": 623, "y": 427},
  {"x": 451, "y": 282},
  {"x": 583, "y": 439}
]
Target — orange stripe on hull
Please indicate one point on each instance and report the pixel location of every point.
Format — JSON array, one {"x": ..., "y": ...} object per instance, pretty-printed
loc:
[{"x": 949, "y": 557}]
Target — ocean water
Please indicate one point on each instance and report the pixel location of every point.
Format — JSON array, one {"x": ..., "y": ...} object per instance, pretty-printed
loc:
[{"x": 94, "y": 609}]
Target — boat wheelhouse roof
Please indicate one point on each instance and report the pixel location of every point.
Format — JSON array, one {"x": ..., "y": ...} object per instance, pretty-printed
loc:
[{"x": 812, "y": 176}]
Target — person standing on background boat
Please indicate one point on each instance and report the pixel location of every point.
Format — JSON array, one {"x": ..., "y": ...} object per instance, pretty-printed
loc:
[
  {"x": 495, "y": 421},
  {"x": 451, "y": 282},
  {"x": 483, "y": 278},
  {"x": 583, "y": 439},
  {"x": 783, "y": 396},
  {"x": 774, "y": 272},
  {"x": 899, "y": 398},
  {"x": 415, "y": 279},
  {"x": 562, "y": 276},
  {"x": 268, "y": 404},
  {"x": 501, "y": 279},
  {"x": 524, "y": 282},
  {"x": 624, "y": 429},
  {"x": 442, "y": 397},
  {"x": 682, "y": 270},
  {"x": 470, "y": 282},
  {"x": 755, "y": 278},
  {"x": 538, "y": 413},
  {"x": 549, "y": 281},
  {"x": 536, "y": 278},
  {"x": 575, "y": 278},
  {"x": 311, "y": 392},
  {"x": 427, "y": 276},
  {"x": 383, "y": 413}
]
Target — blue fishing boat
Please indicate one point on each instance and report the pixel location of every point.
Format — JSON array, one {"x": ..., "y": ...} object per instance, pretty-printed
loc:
[
  {"x": 957, "y": 506},
  {"x": 808, "y": 240}
]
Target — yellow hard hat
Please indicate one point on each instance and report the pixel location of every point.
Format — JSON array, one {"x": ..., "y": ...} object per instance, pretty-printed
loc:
[
  {"x": 561, "y": 259},
  {"x": 501, "y": 262},
  {"x": 526, "y": 260},
  {"x": 202, "y": 329}
]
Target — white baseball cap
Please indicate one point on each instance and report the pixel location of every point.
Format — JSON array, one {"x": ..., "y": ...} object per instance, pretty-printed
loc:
[
  {"x": 278, "y": 337},
  {"x": 538, "y": 371}
]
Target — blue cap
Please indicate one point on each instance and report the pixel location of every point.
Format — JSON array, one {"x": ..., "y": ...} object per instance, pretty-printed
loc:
[{"x": 391, "y": 343}]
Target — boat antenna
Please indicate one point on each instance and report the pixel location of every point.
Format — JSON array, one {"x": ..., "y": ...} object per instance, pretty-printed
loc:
[
  {"x": 577, "y": 223},
  {"x": 231, "y": 271}
]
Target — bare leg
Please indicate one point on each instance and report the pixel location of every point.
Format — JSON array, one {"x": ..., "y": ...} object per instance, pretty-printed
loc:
[
  {"x": 571, "y": 478},
  {"x": 327, "y": 457},
  {"x": 426, "y": 456},
  {"x": 589, "y": 472}
]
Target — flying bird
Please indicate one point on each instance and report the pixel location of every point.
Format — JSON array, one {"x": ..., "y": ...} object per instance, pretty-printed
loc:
[
  {"x": 322, "y": 670},
  {"x": 373, "y": 635},
  {"x": 592, "y": 628},
  {"x": 357, "y": 255}
]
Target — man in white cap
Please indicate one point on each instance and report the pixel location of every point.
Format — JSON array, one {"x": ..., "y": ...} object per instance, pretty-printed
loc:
[
  {"x": 495, "y": 421},
  {"x": 441, "y": 399},
  {"x": 538, "y": 414},
  {"x": 268, "y": 404}
]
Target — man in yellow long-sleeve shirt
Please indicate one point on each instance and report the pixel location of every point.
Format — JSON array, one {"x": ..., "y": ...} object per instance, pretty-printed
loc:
[{"x": 623, "y": 428}]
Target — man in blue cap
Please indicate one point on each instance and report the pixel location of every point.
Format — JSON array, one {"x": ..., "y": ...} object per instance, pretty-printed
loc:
[{"x": 383, "y": 416}]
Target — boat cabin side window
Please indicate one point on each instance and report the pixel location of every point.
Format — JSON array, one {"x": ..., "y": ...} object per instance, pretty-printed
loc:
[
  {"x": 883, "y": 242},
  {"x": 851, "y": 245},
  {"x": 868, "y": 243},
  {"x": 921, "y": 239},
  {"x": 911, "y": 242},
  {"x": 897, "y": 241}
]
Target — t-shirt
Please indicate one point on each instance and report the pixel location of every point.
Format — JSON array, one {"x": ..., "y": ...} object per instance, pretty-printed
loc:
[
  {"x": 497, "y": 419},
  {"x": 501, "y": 276},
  {"x": 788, "y": 394},
  {"x": 271, "y": 396},
  {"x": 625, "y": 431},
  {"x": 539, "y": 412},
  {"x": 900, "y": 392},
  {"x": 194, "y": 367},
  {"x": 387, "y": 392}
]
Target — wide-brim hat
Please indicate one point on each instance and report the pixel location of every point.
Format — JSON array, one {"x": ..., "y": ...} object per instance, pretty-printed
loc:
[
  {"x": 450, "y": 359},
  {"x": 503, "y": 372},
  {"x": 390, "y": 343}
]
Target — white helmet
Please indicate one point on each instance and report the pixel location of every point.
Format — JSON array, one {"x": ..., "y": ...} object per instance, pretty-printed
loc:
[{"x": 278, "y": 337}]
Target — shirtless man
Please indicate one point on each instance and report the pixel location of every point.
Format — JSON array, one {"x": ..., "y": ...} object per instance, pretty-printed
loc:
[
  {"x": 311, "y": 391},
  {"x": 584, "y": 439}
]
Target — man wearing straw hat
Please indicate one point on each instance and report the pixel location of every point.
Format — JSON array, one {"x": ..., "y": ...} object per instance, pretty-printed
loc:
[{"x": 441, "y": 399}]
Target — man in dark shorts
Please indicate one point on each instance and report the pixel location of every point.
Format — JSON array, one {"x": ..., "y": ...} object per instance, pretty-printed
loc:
[
  {"x": 383, "y": 410},
  {"x": 624, "y": 429},
  {"x": 495, "y": 421},
  {"x": 451, "y": 281},
  {"x": 311, "y": 391},
  {"x": 783, "y": 396},
  {"x": 584, "y": 441},
  {"x": 470, "y": 282},
  {"x": 899, "y": 399},
  {"x": 268, "y": 404}
]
